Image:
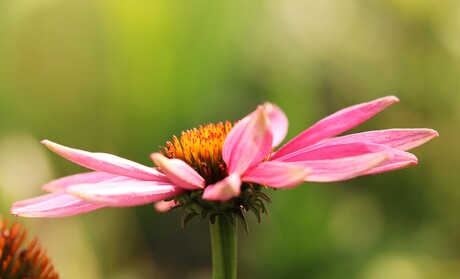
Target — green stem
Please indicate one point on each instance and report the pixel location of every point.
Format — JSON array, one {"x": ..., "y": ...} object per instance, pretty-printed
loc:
[{"x": 224, "y": 248}]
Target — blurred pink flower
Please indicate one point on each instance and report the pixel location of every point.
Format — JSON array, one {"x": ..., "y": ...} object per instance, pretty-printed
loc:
[{"x": 216, "y": 163}]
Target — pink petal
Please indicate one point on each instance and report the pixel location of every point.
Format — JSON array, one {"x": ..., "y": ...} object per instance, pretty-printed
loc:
[
  {"x": 278, "y": 123},
  {"x": 105, "y": 162},
  {"x": 335, "y": 124},
  {"x": 340, "y": 151},
  {"x": 58, "y": 204},
  {"x": 248, "y": 143},
  {"x": 165, "y": 206},
  {"x": 276, "y": 174},
  {"x": 121, "y": 193},
  {"x": 343, "y": 168},
  {"x": 88, "y": 177},
  {"x": 223, "y": 190},
  {"x": 179, "y": 172},
  {"x": 402, "y": 139}
]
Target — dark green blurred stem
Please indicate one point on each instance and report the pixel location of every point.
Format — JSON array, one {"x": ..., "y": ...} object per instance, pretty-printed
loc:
[{"x": 224, "y": 248}]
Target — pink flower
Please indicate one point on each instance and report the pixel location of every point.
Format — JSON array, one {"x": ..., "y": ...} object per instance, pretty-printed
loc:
[{"x": 224, "y": 167}]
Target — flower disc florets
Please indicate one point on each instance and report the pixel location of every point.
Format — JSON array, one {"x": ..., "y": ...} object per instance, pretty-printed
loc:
[{"x": 202, "y": 150}]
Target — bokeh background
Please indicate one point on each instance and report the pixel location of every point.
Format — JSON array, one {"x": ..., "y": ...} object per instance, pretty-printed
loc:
[{"x": 124, "y": 76}]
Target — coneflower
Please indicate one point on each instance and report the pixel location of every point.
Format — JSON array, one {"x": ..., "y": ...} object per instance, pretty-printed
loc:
[
  {"x": 18, "y": 261},
  {"x": 220, "y": 171}
]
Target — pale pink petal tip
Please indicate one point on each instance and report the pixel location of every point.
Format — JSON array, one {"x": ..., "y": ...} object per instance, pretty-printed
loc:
[
  {"x": 278, "y": 123},
  {"x": 179, "y": 172},
  {"x": 165, "y": 206},
  {"x": 224, "y": 190},
  {"x": 398, "y": 161},
  {"x": 391, "y": 99}
]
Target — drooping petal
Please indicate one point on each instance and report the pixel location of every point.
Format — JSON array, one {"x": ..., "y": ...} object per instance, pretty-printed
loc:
[
  {"x": 276, "y": 174},
  {"x": 88, "y": 177},
  {"x": 123, "y": 193},
  {"x": 402, "y": 139},
  {"x": 181, "y": 174},
  {"x": 400, "y": 159},
  {"x": 248, "y": 143},
  {"x": 58, "y": 204},
  {"x": 278, "y": 123},
  {"x": 335, "y": 124},
  {"x": 224, "y": 190},
  {"x": 343, "y": 168},
  {"x": 165, "y": 206},
  {"x": 104, "y": 162}
]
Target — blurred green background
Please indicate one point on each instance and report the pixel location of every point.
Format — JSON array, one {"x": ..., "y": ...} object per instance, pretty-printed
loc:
[{"x": 124, "y": 76}]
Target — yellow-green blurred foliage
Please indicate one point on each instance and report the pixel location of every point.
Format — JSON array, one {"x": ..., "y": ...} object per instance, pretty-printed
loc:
[{"x": 124, "y": 76}]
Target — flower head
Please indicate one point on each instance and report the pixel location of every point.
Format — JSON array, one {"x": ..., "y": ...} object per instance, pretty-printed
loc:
[
  {"x": 18, "y": 262},
  {"x": 223, "y": 168}
]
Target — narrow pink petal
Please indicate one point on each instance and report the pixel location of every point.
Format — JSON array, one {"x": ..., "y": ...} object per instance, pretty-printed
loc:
[
  {"x": 123, "y": 193},
  {"x": 88, "y": 177},
  {"x": 58, "y": 204},
  {"x": 278, "y": 123},
  {"x": 343, "y": 168},
  {"x": 165, "y": 206},
  {"x": 224, "y": 190},
  {"x": 248, "y": 143},
  {"x": 105, "y": 162},
  {"x": 335, "y": 124},
  {"x": 276, "y": 174},
  {"x": 179, "y": 172},
  {"x": 340, "y": 151},
  {"x": 402, "y": 139}
]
